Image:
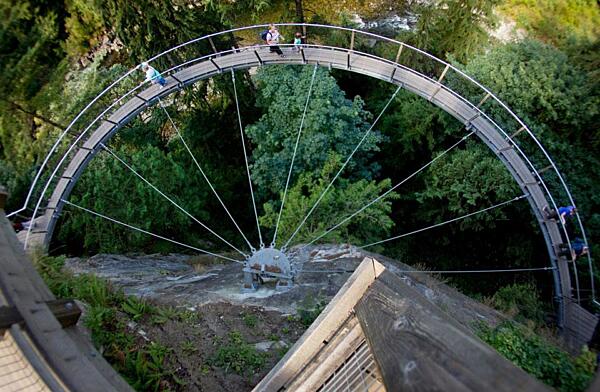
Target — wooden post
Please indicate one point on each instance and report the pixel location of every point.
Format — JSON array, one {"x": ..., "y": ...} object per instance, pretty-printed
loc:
[
  {"x": 419, "y": 347},
  {"x": 66, "y": 312},
  {"x": 399, "y": 52}
]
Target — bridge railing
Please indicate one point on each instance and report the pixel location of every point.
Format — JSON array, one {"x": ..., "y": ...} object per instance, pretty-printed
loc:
[{"x": 449, "y": 77}]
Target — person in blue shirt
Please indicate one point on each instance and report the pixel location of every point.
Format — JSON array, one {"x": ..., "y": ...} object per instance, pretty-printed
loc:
[
  {"x": 578, "y": 248},
  {"x": 563, "y": 213},
  {"x": 152, "y": 75}
]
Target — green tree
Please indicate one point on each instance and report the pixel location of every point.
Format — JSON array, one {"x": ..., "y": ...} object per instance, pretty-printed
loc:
[
  {"x": 455, "y": 27},
  {"x": 111, "y": 189},
  {"x": 333, "y": 123},
  {"x": 467, "y": 180},
  {"x": 555, "y": 21},
  {"x": 29, "y": 51},
  {"x": 342, "y": 200},
  {"x": 551, "y": 94},
  {"x": 557, "y": 100}
]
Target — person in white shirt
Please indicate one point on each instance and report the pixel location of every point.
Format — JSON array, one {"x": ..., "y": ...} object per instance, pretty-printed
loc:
[
  {"x": 273, "y": 38},
  {"x": 152, "y": 75}
]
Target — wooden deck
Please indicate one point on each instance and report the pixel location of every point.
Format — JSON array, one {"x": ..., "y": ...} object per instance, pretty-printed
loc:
[
  {"x": 40, "y": 348},
  {"x": 378, "y": 333}
]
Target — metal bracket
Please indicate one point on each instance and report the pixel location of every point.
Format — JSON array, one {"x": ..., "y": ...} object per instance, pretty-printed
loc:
[
  {"x": 179, "y": 82},
  {"x": 260, "y": 61},
  {"x": 393, "y": 74},
  {"x": 215, "y": 64}
]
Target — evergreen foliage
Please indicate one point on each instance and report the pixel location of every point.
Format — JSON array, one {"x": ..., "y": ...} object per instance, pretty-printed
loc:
[
  {"x": 468, "y": 180},
  {"x": 456, "y": 27},
  {"x": 333, "y": 124},
  {"x": 540, "y": 359},
  {"x": 343, "y": 198}
]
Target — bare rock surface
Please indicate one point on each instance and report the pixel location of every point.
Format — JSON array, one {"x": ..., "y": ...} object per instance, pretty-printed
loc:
[{"x": 191, "y": 281}]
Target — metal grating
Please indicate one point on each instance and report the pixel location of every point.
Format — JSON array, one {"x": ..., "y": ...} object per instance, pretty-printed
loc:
[
  {"x": 16, "y": 373},
  {"x": 359, "y": 372}
]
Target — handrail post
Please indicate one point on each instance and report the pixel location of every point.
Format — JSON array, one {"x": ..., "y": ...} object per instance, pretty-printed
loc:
[
  {"x": 399, "y": 51},
  {"x": 351, "y": 49}
]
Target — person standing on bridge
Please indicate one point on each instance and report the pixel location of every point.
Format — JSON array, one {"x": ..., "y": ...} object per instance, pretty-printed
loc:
[
  {"x": 578, "y": 248},
  {"x": 152, "y": 75},
  {"x": 273, "y": 38},
  {"x": 563, "y": 213},
  {"x": 298, "y": 41}
]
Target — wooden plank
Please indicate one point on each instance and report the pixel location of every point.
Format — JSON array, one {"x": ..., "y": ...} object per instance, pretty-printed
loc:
[
  {"x": 335, "y": 314},
  {"x": 37, "y": 362},
  {"x": 46, "y": 334},
  {"x": 329, "y": 359},
  {"x": 581, "y": 325},
  {"x": 419, "y": 347}
]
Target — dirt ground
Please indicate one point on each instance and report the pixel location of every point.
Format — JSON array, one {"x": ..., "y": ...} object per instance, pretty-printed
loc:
[{"x": 195, "y": 342}]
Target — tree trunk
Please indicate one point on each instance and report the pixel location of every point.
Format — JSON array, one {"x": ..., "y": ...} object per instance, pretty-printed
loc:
[
  {"x": 35, "y": 115},
  {"x": 300, "y": 15}
]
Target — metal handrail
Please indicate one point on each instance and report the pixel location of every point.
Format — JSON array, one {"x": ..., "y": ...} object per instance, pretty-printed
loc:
[{"x": 346, "y": 29}]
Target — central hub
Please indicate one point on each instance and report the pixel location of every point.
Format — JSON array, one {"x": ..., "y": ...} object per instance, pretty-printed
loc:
[{"x": 267, "y": 263}]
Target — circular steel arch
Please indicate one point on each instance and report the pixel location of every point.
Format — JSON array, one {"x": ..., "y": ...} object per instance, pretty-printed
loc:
[{"x": 433, "y": 89}]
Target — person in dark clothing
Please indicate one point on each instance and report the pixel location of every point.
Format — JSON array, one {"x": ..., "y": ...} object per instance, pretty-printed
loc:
[{"x": 578, "y": 248}]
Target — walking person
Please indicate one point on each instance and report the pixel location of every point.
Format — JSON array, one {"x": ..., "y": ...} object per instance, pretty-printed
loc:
[
  {"x": 273, "y": 38},
  {"x": 152, "y": 75}
]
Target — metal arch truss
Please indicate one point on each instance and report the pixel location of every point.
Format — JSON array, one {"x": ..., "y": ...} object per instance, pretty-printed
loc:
[{"x": 431, "y": 87}]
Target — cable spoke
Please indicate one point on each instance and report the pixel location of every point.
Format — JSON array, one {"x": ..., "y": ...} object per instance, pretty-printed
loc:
[
  {"x": 382, "y": 196},
  {"x": 170, "y": 200},
  {"x": 398, "y": 271},
  {"x": 342, "y": 168},
  {"x": 294, "y": 155},
  {"x": 446, "y": 222},
  {"x": 204, "y": 175},
  {"x": 237, "y": 106},
  {"x": 147, "y": 232}
]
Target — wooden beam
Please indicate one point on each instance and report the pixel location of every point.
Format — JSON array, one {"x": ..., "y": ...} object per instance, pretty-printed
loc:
[
  {"x": 443, "y": 73},
  {"x": 323, "y": 329},
  {"x": 419, "y": 347},
  {"x": 399, "y": 52},
  {"x": 66, "y": 312}
]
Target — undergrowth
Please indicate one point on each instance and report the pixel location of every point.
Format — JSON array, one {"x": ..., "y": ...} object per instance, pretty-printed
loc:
[
  {"x": 238, "y": 356},
  {"x": 539, "y": 358},
  {"x": 309, "y": 310},
  {"x": 142, "y": 364}
]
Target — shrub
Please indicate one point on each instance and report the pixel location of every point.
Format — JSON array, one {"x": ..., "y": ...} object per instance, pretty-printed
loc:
[
  {"x": 540, "y": 359},
  {"x": 309, "y": 311},
  {"x": 520, "y": 300},
  {"x": 238, "y": 356}
]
